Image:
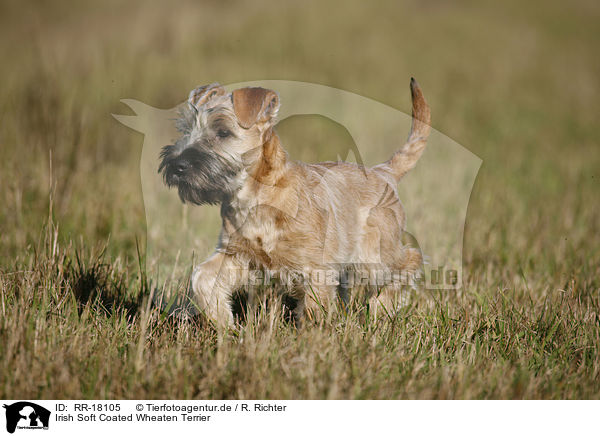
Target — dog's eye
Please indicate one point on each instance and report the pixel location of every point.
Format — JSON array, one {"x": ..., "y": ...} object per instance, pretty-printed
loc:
[{"x": 223, "y": 133}]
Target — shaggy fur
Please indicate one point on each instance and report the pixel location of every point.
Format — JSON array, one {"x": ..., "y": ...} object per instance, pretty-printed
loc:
[{"x": 324, "y": 229}]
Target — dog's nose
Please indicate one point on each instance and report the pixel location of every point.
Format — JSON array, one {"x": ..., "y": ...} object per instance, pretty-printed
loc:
[{"x": 179, "y": 167}]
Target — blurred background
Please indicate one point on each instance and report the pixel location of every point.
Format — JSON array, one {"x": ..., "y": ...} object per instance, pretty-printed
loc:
[{"x": 516, "y": 83}]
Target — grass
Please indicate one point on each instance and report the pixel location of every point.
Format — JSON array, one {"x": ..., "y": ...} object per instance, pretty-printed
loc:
[{"x": 516, "y": 84}]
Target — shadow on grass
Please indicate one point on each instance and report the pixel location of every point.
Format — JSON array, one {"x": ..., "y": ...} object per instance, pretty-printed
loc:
[{"x": 100, "y": 284}]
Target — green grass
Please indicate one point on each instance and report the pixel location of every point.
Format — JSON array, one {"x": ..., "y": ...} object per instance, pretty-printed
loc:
[{"x": 516, "y": 84}]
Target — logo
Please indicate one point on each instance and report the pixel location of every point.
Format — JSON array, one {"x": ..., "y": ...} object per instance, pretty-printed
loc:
[{"x": 26, "y": 415}]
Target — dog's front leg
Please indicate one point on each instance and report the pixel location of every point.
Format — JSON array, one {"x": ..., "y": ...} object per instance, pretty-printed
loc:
[{"x": 213, "y": 283}]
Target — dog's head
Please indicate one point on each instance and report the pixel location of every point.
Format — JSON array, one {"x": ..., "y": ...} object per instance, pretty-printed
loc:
[{"x": 223, "y": 135}]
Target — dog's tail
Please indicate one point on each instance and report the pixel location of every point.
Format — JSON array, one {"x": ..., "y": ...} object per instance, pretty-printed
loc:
[{"x": 406, "y": 158}]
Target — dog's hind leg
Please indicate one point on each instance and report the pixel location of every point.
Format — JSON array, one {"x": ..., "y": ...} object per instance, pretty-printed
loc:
[{"x": 404, "y": 277}]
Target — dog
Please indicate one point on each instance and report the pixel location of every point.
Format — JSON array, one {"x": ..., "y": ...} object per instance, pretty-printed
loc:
[{"x": 293, "y": 221}]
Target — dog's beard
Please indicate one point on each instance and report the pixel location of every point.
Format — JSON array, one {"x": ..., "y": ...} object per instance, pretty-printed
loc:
[{"x": 207, "y": 179}]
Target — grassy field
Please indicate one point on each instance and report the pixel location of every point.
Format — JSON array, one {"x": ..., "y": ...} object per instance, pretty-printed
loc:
[{"x": 517, "y": 83}]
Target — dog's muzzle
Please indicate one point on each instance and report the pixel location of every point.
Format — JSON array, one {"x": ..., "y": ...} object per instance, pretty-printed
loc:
[{"x": 200, "y": 176}]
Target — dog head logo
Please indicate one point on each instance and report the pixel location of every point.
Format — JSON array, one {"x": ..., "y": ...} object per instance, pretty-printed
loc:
[
  {"x": 218, "y": 135},
  {"x": 26, "y": 415}
]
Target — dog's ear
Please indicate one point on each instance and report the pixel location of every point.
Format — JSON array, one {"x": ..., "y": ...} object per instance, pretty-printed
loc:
[
  {"x": 202, "y": 94},
  {"x": 254, "y": 105}
]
